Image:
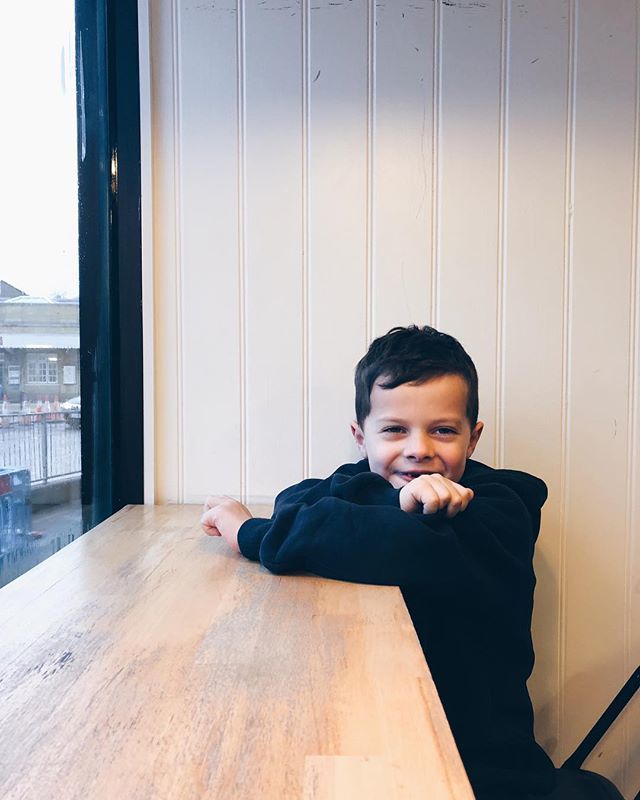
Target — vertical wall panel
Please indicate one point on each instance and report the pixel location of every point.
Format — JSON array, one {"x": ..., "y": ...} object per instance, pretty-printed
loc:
[
  {"x": 536, "y": 169},
  {"x": 338, "y": 222},
  {"x": 403, "y": 164},
  {"x": 631, "y": 761},
  {"x": 146, "y": 222},
  {"x": 273, "y": 209},
  {"x": 167, "y": 445},
  {"x": 632, "y": 717},
  {"x": 599, "y": 369},
  {"x": 468, "y": 267},
  {"x": 208, "y": 206}
]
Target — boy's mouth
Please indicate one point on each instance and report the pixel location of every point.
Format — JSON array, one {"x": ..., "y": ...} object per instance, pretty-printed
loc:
[{"x": 412, "y": 474}]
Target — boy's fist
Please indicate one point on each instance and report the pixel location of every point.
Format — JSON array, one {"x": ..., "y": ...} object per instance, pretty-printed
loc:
[
  {"x": 432, "y": 493},
  {"x": 223, "y": 516}
]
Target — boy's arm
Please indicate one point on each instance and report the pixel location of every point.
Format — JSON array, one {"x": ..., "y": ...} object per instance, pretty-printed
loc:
[
  {"x": 382, "y": 544},
  {"x": 352, "y": 482},
  {"x": 428, "y": 493},
  {"x": 223, "y": 516}
]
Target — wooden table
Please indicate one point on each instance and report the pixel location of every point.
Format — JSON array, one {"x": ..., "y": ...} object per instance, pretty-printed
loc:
[{"x": 146, "y": 660}]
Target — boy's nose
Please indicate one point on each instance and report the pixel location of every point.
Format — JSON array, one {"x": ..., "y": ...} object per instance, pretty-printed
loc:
[{"x": 419, "y": 447}]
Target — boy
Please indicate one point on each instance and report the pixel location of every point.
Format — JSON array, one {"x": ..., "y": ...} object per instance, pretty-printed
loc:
[{"x": 454, "y": 534}]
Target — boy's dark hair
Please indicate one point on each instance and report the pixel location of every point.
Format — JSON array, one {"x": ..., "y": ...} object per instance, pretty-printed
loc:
[{"x": 413, "y": 355}]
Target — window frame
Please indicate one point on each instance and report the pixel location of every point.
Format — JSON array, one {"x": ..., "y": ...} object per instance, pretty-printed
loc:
[{"x": 108, "y": 96}]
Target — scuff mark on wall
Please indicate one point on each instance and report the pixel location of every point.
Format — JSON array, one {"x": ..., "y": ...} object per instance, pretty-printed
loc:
[
  {"x": 276, "y": 8},
  {"x": 472, "y": 5},
  {"x": 207, "y": 7}
]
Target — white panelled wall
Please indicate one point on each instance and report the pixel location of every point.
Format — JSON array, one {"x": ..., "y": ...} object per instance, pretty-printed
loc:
[{"x": 323, "y": 171}]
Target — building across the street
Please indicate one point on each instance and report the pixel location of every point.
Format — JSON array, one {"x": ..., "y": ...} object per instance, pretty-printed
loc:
[{"x": 39, "y": 349}]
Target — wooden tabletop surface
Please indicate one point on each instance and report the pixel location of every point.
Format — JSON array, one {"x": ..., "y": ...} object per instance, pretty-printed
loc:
[{"x": 146, "y": 660}]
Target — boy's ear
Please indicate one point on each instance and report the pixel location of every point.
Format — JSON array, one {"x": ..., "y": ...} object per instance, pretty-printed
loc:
[
  {"x": 473, "y": 440},
  {"x": 358, "y": 435}
]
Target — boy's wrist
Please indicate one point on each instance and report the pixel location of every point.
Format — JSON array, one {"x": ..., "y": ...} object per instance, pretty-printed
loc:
[{"x": 250, "y": 536}]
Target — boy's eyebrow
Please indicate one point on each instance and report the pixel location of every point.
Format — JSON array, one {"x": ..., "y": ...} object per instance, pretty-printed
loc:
[{"x": 442, "y": 421}]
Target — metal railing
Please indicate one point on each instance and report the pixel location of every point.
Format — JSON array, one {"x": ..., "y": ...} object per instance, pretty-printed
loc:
[{"x": 47, "y": 444}]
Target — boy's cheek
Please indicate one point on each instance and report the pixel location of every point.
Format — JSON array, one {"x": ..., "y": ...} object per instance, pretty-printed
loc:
[{"x": 457, "y": 470}]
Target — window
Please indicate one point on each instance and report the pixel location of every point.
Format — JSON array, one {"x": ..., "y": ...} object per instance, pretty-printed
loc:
[
  {"x": 42, "y": 368},
  {"x": 40, "y": 469},
  {"x": 73, "y": 242},
  {"x": 13, "y": 375}
]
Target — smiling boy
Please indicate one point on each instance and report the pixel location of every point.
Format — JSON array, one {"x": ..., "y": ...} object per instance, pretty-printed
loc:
[
  {"x": 423, "y": 431},
  {"x": 456, "y": 536}
]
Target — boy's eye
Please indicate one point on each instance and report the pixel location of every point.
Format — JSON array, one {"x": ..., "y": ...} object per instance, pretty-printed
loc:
[
  {"x": 393, "y": 429},
  {"x": 446, "y": 431}
]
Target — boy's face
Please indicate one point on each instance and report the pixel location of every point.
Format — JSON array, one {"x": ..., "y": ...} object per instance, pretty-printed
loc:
[{"x": 418, "y": 428}]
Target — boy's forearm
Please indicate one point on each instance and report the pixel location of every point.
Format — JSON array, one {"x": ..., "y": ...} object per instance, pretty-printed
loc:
[
  {"x": 385, "y": 545},
  {"x": 485, "y": 550},
  {"x": 363, "y": 488}
]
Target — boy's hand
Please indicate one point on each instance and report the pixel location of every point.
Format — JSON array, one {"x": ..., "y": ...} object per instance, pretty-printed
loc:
[
  {"x": 432, "y": 493},
  {"x": 223, "y": 516}
]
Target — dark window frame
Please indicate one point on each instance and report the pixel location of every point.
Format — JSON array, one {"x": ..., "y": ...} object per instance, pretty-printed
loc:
[{"x": 110, "y": 255}]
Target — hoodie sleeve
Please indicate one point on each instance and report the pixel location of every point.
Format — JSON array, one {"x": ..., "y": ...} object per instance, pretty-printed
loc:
[
  {"x": 353, "y": 529},
  {"x": 352, "y": 482}
]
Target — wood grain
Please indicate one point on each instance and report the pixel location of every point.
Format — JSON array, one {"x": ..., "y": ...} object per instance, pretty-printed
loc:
[{"x": 146, "y": 660}]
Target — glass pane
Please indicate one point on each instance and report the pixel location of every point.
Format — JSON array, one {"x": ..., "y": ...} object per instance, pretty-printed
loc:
[{"x": 40, "y": 432}]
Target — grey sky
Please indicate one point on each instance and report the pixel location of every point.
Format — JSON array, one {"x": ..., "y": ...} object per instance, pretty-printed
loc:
[{"x": 38, "y": 224}]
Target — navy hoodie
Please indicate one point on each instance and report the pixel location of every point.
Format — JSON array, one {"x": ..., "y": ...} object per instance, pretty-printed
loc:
[{"x": 468, "y": 584}]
